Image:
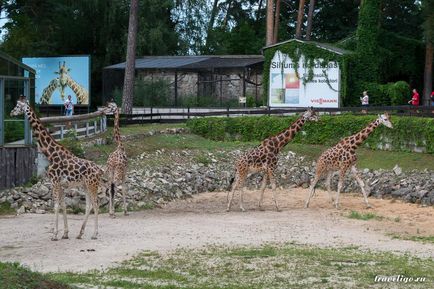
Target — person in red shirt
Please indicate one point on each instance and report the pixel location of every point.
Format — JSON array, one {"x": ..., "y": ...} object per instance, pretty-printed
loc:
[{"x": 415, "y": 98}]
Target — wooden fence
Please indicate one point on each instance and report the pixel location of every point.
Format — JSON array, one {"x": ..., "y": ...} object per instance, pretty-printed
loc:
[{"x": 17, "y": 165}]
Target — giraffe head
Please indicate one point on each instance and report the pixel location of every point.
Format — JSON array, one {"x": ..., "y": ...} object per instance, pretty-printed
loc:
[
  {"x": 310, "y": 115},
  {"x": 109, "y": 108},
  {"x": 385, "y": 119},
  {"x": 21, "y": 106}
]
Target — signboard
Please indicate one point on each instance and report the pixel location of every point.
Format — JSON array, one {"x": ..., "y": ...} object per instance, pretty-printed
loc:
[
  {"x": 288, "y": 85},
  {"x": 58, "y": 77}
]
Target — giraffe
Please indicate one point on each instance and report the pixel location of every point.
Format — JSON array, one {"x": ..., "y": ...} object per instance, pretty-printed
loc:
[
  {"x": 65, "y": 168},
  {"x": 264, "y": 159},
  {"x": 117, "y": 164},
  {"x": 343, "y": 156},
  {"x": 61, "y": 82}
]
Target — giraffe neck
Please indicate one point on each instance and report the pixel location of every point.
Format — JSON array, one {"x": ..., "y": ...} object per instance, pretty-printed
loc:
[
  {"x": 116, "y": 130},
  {"x": 288, "y": 134},
  {"x": 358, "y": 138},
  {"x": 48, "y": 145}
]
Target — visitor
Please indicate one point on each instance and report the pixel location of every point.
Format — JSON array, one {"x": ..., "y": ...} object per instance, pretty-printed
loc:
[
  {"x": 432, "y": 98},
  {"x": 415, "y": 98},
  {"x": 365, "y": 101},
  {"x": 69, "y": 106}
]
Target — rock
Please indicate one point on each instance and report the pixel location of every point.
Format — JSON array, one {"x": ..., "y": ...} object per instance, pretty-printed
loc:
[
  {"x": 21, "y": 210},
  {"x": 397, "y": 170}
]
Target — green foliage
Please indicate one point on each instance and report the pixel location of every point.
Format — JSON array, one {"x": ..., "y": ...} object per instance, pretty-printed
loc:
[
  {"x": 151, "y": 92},
  {"x": 365, "y": 217},
  {"x": 388, "y": 94},
  {"x": 5, "y": 209},
  {"x": 71, "y": 143},
  {"x": 15, "y": 276},
  {"x": 328, "y": 130},
  {"x": 14, "y": 130}
]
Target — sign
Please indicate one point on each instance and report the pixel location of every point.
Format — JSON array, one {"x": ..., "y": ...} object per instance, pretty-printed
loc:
[
  {"x": 58, "y": 77},
  {"x": 242, "y": 99},
  {"x": 288, "y": 85}
]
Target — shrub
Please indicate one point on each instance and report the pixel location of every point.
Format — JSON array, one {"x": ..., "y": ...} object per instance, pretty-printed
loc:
[
  {"x": 407, "y": 131},
  {"x": 71, "y": 143}
]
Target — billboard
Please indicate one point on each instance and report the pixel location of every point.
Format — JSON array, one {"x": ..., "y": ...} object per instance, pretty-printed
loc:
[
  {"x": 58, "y": 77},
  {"x": 288, "y": 85}
]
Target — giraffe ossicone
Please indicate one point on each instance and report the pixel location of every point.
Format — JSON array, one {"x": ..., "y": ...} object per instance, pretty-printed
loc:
[{"x": 342, "y": 157}]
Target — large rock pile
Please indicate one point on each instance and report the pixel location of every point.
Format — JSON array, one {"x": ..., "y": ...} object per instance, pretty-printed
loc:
[{"x": 158, "y": 177}]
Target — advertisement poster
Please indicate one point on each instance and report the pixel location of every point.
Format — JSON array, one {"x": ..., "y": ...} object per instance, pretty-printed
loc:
[
  {"x": 58, "y": 77},
  {"x": 289, "y": 86}
]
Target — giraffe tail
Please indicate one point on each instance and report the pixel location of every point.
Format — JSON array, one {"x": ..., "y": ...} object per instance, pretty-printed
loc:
[
  {"x": 231, "y": 181},
  {"x": 112, "y": 191}
]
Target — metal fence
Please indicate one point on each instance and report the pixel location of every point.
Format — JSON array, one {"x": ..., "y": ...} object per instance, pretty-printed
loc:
[{"x": 168, "y": 115}]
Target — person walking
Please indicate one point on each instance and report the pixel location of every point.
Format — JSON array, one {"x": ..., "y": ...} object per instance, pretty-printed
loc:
[
  {"x": 415, "y": 98},
  {"x": 365, "y": 101},
  {"x": 69, "y": 106}
]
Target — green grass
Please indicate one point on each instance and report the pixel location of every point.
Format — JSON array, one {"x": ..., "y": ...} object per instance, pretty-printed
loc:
[
  {"x": 5, "y": 209},
  {"x": 365, "y": 217},
  {"x": 15, "y": 276},
  {"x": 268, "y": 266},
  {"x": 422, "y": 239}
]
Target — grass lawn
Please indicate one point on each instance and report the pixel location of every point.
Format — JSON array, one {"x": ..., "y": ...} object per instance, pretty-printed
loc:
[
  {"x": 14, "y": 276},
  {"x": 371, "y": 159},
  {"x": 5, "y": 209},
  {"x": 269, "y": 266}
]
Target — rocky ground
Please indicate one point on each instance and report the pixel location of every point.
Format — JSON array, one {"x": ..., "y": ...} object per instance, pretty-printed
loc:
[{"x": 161, "y": 176}]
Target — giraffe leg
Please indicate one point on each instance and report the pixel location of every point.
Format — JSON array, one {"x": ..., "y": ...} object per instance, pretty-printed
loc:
[
  {"x": 230, "y": 195},
  {"x": 361, "y": 184},
  {"x": 263, "y": 186},
  {"x": 95, "y": 206},
  {"x": 56, "y": 197},
  {"x": 112, "y": 199},
  {"x": 65, "y": 219},
  {"x": 86, "y": 216},
  {"x": 241, "y": 199},
  {"x": 273, "y": 188},
  {"x": 312, "y": 190},
  {"x": 340, "y": 183},
  {"x": 124, "y": 196},
  {"x": 328, "y": 185}
]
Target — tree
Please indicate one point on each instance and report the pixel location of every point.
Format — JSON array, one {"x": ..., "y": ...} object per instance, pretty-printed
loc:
[
  {"x": 310, "y": 19},
  {"x": 128, "y": 92},
  {"x": 428, "y": 11},
  {"x": 299, "y": 19},
  {"x": 270, "y": 22},
  {"x": 276, "y": 22}
]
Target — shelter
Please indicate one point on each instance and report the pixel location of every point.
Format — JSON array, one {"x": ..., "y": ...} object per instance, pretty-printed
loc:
[
  {"x": 17, "y": 155},
  {"x": 189, "y": 80}
]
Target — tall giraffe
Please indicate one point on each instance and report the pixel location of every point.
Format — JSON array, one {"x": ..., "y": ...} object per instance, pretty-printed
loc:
[
  {"x": 117, "y": 164},
  {"x": 343, "y": 156},
  {"x": 65, "y": 168},
  {"x": 264, "y": 159}
]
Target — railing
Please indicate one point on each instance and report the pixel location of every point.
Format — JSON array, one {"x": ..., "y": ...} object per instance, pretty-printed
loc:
[
  {"x": 167, "y": 115},
  {"x": 84, "y": 125}
]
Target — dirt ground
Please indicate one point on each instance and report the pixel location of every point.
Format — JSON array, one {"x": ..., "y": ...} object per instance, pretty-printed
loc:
[{"x": 202, "y": 221}]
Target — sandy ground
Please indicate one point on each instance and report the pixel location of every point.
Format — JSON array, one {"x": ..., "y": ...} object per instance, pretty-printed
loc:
[{"x": 202, "y": 220}]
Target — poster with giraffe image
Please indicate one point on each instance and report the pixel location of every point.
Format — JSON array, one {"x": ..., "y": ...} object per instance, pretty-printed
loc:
[{"x": 58, "y": 77}]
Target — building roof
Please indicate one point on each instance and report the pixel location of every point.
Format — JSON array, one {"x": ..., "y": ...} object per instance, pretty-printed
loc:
[
  {"x": 326, "y": 46},
  {"x": 193, "y": 62},
  {"x": 16, "y": 62}
]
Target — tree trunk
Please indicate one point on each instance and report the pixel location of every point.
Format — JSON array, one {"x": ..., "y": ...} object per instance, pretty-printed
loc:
[
  {"x": 310, "y": 19},
  {"x": 299, "y": 19},
  {"x": 225, "y": 21},
  {"x": 128, "y": 93},
  {"x": 270, "y": 10},
  {"x": 259, "y": 10},
  {"x": 211, "y": 22},
  {"x": 427, "y": 75},
  {"x": 276, "y": 21}
]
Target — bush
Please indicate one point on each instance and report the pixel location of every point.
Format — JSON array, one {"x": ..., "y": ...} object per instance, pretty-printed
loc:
[
  {"x": 151, "y": 93},
  {"x": 393, "y": 93},
  {"x": 407, "y": 131},
  {"x": 71, "y": 143}
]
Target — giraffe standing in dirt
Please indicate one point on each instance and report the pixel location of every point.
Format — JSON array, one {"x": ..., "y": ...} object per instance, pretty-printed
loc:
[
  {"x": 264, "y": 159},
  {"x": 117, "y": 164},
  {"x": 65, "y": 168},
  {"x": 343, "y": 156}
]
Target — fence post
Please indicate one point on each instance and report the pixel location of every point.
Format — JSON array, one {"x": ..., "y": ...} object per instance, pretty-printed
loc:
[
  {"x": 227, "y": 111},
  {"x": 61, "y": 132},
  {"x": 188, "y": 112},
  {"x": 151, "y": 114},
  {"x": 87, "y": 128},
  {"x": 95, "y": 128}
]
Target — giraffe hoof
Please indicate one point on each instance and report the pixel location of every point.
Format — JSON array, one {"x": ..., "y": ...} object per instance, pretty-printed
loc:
[
  {"x": 79, "y": 237},
  {"x": 126, "y": 214},
  {"x": 261, "y": 208},
  {"x": 54, "y": 239},
  {"x": 94, "y": 238},
  {"x": 368, "y": 206},
  {"x": 242, "y": 210},
  {"x": 112, "y": 216},
  {"x": 278, "y": 210},
  {"x": 65, "y": 237}
]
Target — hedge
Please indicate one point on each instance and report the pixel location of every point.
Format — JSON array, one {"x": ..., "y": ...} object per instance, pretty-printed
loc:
[{"x": 407, "y": 133}]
